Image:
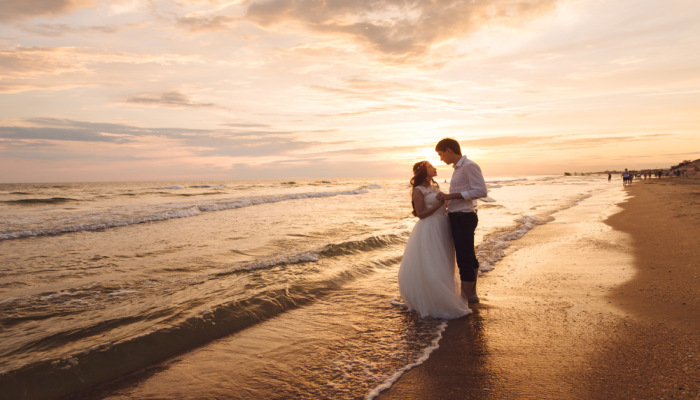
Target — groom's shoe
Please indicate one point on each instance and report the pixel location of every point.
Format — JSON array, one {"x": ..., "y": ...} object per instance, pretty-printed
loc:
[{"x": 473, "y": 298}]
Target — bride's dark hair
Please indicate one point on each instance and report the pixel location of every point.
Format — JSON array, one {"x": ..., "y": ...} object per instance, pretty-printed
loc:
[{"x": 420, "y": 174}]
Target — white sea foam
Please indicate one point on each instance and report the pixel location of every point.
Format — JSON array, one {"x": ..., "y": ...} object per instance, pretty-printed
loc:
[
  {"x": 104, "y": 224},
  {"x": 547, "y": 178},
  {"x": 121, "y": 218},
  {"x": 289, "y": 259},
  {"x": 426, "y": 353},
  {"x": 397, "y": 303},
  {"x": 121, "y": 292},
  {"x": 506, "y": 180},
  {"x": 252, "y": 201},
  {"x": 493, "y": 248},
  {"x": 171, "y": 187},
  {"x": 60, "y": 294}
]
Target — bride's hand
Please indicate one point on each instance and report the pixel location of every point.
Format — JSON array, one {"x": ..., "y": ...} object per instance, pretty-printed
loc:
[{"x": 440, "y": 196}]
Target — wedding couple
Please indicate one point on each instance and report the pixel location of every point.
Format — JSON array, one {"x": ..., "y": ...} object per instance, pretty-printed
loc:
[{"x": 428, "y": 280}]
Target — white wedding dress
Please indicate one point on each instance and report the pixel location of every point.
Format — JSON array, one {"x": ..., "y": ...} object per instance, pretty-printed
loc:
[{"x": 428, "y": 278}]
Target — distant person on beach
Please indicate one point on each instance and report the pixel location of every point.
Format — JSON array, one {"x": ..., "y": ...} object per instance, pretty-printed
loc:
[
  {"x": 626, "y": 177},
  {"x": 609, "y": 177},
  {"x": 427, "y": 277}
]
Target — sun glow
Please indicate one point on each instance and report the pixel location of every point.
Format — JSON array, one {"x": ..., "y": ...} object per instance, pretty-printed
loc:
[{"x": 254, "y": 89}]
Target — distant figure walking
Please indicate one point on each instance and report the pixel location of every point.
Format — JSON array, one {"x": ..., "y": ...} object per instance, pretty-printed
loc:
[
  {"x": 626, "y": 178},
  {"x": 609, "y": 177}
]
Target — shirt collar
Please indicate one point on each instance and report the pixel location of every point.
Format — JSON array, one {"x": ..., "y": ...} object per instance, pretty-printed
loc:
[{"x": 460, "y": 162}]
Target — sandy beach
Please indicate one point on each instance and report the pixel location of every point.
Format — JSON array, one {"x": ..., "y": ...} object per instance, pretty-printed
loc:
[{"x": 600, "y": 303}]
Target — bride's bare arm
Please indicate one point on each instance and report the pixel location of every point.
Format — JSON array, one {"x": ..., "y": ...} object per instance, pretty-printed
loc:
[{"x": 419, "y": 204}]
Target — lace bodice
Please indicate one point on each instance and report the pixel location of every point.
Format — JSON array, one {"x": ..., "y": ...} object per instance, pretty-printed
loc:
[{"x": 429, "y": 196}]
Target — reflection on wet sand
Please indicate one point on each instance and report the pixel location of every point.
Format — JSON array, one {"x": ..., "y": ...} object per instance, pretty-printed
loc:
[
  {"x": 544, "y": 316},
  {"x": 340, "y": 346}
]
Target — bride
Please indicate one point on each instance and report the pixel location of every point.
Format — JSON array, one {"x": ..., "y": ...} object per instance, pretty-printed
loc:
[{"x": 428, "y": 279}]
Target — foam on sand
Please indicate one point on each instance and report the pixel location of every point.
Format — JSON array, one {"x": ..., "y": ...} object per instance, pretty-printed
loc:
[{"x": 426, "y": 353}]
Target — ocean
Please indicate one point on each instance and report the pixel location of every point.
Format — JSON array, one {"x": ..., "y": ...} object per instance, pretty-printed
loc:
[{"x": 228, "y": 289}]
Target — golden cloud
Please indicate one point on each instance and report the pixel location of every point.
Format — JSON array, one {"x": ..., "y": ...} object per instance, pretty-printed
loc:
[
  {"x": 31, "y": 62},
  {"x": 204, "y": 23},
  {"x": 400, "y": 31},
  {"x": 17, "y": 10},
  {"x": 171, "y": 98}
]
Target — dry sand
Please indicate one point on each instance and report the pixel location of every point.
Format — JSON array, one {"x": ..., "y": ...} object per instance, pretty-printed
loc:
[{"x": 601, "y": 303}]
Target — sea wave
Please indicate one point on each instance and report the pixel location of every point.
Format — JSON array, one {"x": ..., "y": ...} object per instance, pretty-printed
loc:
[
  {"x": 492, "y": 249},
  {"x": 109, "y": 357},
  {"x": 349, "y": 247},
  {"x": 424, "y": 356},
  {"x": 98, "y": 222},
  {"x": 29, "y": 202},
  {"x": 372, "y": 186},
  {"x": 505, "y": 180}
]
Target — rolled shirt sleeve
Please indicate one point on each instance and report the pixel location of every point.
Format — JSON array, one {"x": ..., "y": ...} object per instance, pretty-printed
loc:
[{"x": 476, "y": 181}]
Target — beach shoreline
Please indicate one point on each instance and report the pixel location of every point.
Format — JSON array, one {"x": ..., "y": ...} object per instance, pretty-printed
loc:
[{"x": 578, "y": 310}]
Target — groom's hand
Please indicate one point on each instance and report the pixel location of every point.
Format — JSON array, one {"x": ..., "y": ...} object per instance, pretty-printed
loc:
[{"x": 442, "y": 196}]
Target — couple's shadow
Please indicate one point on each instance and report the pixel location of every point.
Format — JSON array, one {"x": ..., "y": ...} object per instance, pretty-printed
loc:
[{"x": 457, "y": 369}]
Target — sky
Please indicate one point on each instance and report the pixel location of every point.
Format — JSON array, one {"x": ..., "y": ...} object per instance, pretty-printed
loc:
[{"x": 122, "y": 90}]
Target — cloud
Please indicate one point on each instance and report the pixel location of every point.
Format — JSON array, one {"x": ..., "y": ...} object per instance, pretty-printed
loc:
[
  {"x": 239, "y": 141},
  {"x": 57, "y": 30},
  {"x": 171, "y": 98},
  {"x": 196, "y": 22},
  {"x": 16, "y": 10},
  {"x": 370, "y": 111},
  {"x": 22, "y": 87},
  {"x": 554, "y": 142},
  {"x": 561, "y": 144},
  {"x": 245, "y": 125},
  {"x": 402, "y": 31},
  {"x": 361, "y": 96},
  {"x": 503, "y": 141},
  {"x": 31, "y": 62},
  {"x": 80, "y": 131},
  {"x": 47, "y": 133}
]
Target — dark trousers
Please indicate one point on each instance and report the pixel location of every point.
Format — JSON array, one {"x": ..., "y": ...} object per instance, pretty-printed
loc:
[{"x": 463, "y": 227}]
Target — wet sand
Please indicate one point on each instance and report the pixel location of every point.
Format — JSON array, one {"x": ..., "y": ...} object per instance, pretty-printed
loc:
[{"x": 601, "y": 303}]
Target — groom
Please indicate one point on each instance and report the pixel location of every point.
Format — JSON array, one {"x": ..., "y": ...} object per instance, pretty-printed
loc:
[{"x": 467, "y": 185}]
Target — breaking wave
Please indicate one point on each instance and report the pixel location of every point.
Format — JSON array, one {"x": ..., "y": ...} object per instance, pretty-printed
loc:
[
  {"x": 492, "y": 249},
  {"x": 114, "y": 220},
  {"x": 29, "y": 202}
]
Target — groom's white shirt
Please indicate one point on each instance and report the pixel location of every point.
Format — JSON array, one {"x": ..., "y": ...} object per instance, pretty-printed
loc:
[{"x": 467, "y": 180}]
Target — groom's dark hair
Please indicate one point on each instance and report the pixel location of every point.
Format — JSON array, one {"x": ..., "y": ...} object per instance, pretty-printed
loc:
[{"x": 448, "y": 143}]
